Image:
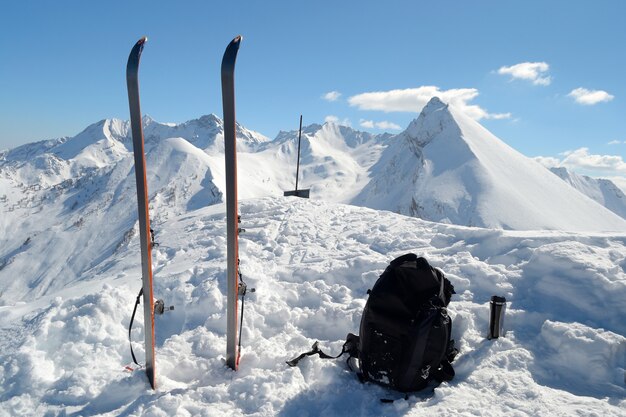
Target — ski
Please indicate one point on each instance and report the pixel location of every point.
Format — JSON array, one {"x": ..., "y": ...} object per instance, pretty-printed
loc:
[
  {"x": 232, "y": 211},
  {"x": 132, "y": 81}
]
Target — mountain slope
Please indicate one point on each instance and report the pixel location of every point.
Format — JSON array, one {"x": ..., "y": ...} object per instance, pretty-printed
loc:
[
  {"x": 603, "y": 191},
  {"x": 334, "y": 163},
  {"x": 73, "y": 204},
  {"x": 446, "y": 167}
]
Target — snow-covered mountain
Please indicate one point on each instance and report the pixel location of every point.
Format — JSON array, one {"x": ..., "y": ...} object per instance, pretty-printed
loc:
[
  {"x": 335, "y": 160},
  {"x": 81, "y": 190},
  {"x": 601, "y": 190},
  {"x": 446, "y": 167}
]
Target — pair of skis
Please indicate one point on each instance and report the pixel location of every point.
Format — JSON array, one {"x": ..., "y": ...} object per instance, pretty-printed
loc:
[{"x": 232, "y": 216}]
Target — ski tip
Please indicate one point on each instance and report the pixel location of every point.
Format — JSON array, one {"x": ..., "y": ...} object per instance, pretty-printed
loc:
[
  {"x": 236, "y": 42},
  {"x": 133, "y": 58},
  {"x": 230, "y": 55}
]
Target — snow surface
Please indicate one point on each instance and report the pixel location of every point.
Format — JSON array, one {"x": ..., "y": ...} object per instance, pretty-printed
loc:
[
  {"x": 311, "y": 263},
  {"x": 70, "y": 272}
]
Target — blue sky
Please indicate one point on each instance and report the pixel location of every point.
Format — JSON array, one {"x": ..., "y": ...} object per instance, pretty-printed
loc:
[{"x": 544, "y": 76}]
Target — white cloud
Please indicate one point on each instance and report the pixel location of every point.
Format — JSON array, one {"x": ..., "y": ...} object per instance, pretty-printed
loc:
[
  {"x": 414, "y": 99},
  {"x": 332, "y": 96},
  {"x": 580, "y": 160},
  {"x": 384, "y": 125},
  {"x": 536, "y": 72},
  {"x": 334, "y": 119},
  {"x": 590, "y": 97},
  {"x": 498, "y": 116},
  {"x": 615, "y": 142},
  {"x": 548, "y": 161},
  {"x": 368, "y": 124}
]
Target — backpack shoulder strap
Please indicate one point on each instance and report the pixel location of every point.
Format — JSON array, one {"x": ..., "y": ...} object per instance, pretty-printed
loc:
[
  {"x": 445, "y": 372},
  {"x": 350, "y": 347}
]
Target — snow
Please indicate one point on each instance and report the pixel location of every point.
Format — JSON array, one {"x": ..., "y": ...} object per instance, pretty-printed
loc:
[
  {"x": 70, "y": 273},
  {"x": 311, "y": 264}
]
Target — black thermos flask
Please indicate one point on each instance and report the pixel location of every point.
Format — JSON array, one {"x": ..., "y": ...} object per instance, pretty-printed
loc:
[{"x": 497, "y": 306}]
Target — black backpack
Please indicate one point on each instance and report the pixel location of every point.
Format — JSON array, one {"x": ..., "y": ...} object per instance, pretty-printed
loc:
[{"x": 404, "y": 340}]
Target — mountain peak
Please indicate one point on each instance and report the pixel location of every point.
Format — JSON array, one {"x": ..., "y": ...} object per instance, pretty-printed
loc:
[
  {"x": 210, "y": 120},
  {"x": 434, "y": 105},
  {"x": 434, "y": 119},
  {"x": 147, "y": 120}
]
